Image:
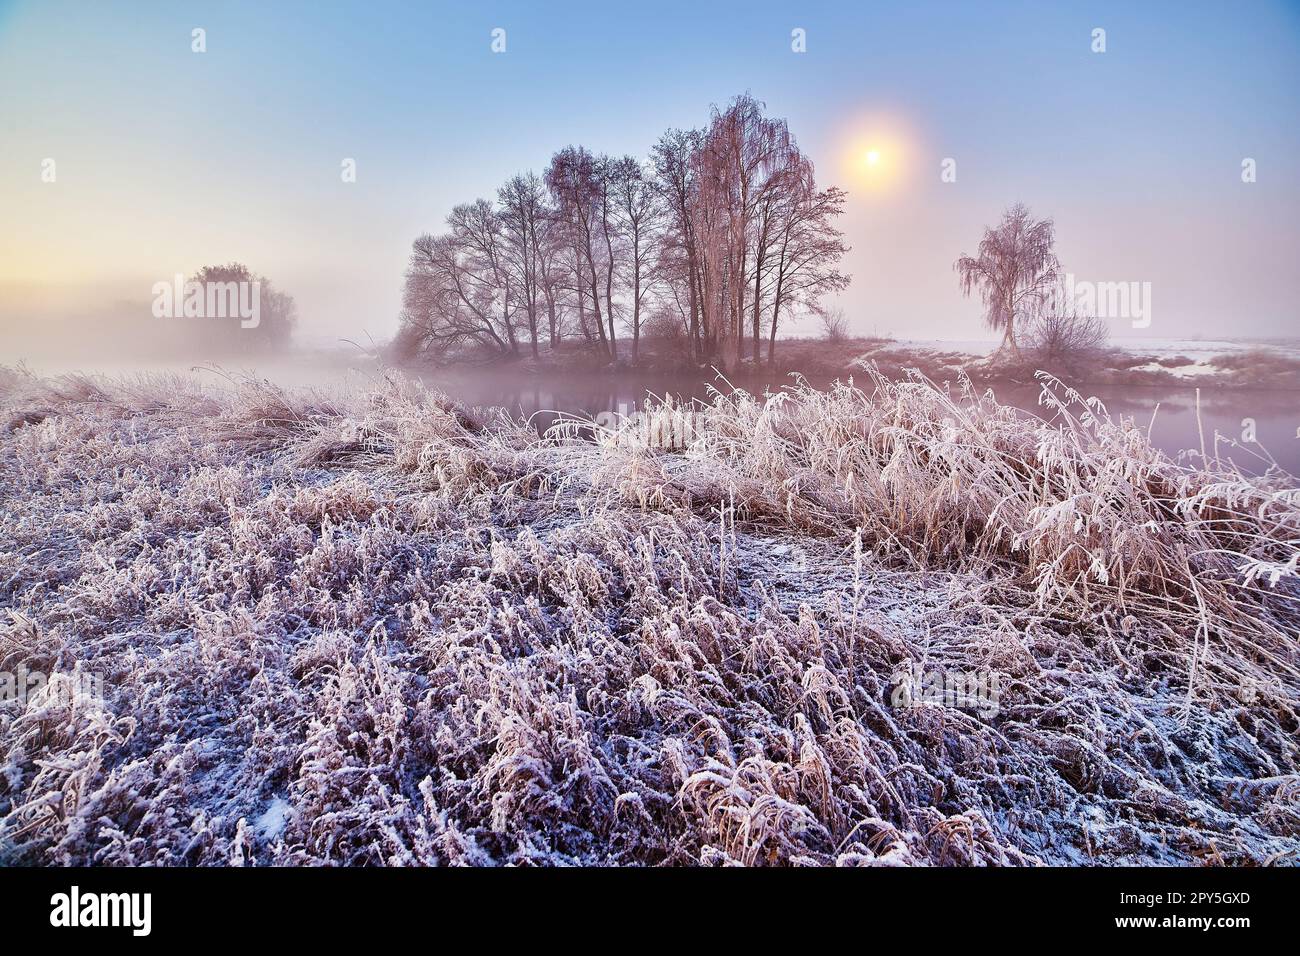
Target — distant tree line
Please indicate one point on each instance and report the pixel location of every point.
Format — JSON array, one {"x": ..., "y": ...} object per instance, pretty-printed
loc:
[
  {"x": 255, "y": 317},
  {"x": 715, "y": 239}
]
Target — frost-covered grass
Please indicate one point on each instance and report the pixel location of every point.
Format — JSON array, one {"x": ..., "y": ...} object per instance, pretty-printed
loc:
[{"x": 378, "y": 627}]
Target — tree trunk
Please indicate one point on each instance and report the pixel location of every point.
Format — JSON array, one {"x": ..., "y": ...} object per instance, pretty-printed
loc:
[
  {"x": 554, "y": 334},
  {"x": 636, "y": 308},
  {"x": 740, "y": 287},
  {"x": 776, "y": 312},
  {"x": 605, "y": 346},
  {"x": 693, "y": 295},
  {"x": 1009, "y": 345}
]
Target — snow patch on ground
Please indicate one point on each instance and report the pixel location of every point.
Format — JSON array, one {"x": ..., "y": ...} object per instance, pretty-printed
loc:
[
  {"x": 270, "y": 825},
  {"x": 1180, "y": 371}
]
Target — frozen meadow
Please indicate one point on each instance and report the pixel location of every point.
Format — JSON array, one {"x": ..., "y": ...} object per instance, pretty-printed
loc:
[{"x": 378, "y": 627}]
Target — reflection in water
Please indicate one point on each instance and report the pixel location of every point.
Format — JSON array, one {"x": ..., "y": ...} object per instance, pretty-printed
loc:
[
  {"x": 1251, "y": 426},
  {"x": 543, "y": 401}
]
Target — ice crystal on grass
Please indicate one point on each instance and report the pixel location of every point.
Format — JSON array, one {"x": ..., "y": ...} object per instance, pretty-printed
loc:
[{"x": 381, "y": 628}]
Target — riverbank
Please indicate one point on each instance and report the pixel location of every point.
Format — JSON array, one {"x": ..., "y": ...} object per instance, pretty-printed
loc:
[
  {"x": 1219, "y": 365},
  {"x": 884, "y": 627}
]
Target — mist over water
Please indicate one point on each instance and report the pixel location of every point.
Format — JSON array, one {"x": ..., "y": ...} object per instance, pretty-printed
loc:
[{"x": 1177, "y": 421}]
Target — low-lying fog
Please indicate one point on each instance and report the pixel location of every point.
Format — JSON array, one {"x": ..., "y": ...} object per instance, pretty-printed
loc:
[{"x": 1169, "y": 412}]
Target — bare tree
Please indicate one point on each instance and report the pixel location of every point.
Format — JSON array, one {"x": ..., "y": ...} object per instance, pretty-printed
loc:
[
  {"x": 1014, "y": 269},
  {"x": 444, "y": 308},
  {"x": 1059, "y": 337},
  {"x": 477, "y": 229},
  {"x": 459, "y": 290},
  {"x": 639, "y": 211},
  {"x": 573, "y": 179},
  {"x": 770, "y": 207},
  {"x": 743, "y": 152},
  {"x": 675, "y": 176},
  {"x": 523, "y": 211},
  {"x": 550, "y": 255},
  {"x": 835, "y": 325},
  {"x": 604, "y": 180},
  {"x": 809, "y": 249}
]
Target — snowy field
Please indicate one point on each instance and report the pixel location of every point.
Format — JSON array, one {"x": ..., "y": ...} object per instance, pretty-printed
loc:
[
  {"x": 1187, "y": 359},
  {"x": 1198, "y": 350},
  {"x": 888, "y": 627}
]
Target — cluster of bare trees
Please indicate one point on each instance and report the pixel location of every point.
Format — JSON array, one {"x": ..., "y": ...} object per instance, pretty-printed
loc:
[{"x": 711, "y": 243}]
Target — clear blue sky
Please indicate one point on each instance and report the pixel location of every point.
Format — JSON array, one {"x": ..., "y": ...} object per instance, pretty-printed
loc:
[{"x": 167, "y": 159}]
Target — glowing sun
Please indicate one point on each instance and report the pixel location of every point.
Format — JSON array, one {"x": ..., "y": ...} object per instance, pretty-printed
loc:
[{"x": 877, "y": 154}]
